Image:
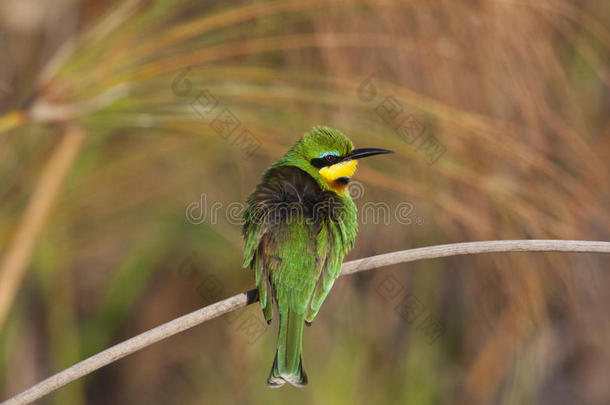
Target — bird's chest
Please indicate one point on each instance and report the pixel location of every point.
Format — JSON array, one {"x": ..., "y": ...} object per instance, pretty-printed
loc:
[{"x": 331, "y": 221}]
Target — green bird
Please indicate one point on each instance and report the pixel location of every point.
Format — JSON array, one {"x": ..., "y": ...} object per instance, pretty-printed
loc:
[{"x": 299, "y": 224}]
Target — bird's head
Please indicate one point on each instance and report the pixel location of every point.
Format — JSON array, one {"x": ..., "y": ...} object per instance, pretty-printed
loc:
[{"x": 329, "y": 157}]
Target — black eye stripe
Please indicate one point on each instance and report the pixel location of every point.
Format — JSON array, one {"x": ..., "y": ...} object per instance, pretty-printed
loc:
[
  {"x": 319, "y": 163},
  {"x": 327, "y": 160}
]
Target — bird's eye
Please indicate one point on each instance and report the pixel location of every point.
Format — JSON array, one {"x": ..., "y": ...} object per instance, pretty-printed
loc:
[{"x": 330, "y": 158}]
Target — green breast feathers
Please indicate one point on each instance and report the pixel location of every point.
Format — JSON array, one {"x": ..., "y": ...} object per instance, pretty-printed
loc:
[{"x": 296, "y": 237}]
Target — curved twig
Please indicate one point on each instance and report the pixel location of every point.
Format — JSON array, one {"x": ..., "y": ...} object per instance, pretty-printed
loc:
[{"x": 241, "y": 300}]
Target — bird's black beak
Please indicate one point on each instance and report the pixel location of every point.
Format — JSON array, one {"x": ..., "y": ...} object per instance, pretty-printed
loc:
[{"x": 364, "y": 152}]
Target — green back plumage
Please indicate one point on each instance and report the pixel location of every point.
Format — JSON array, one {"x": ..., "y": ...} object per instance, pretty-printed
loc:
[{"x": 297, "y": 231}]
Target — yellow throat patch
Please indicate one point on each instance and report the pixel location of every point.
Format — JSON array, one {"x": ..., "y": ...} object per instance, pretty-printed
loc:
[{"x": 330, "y": 174}]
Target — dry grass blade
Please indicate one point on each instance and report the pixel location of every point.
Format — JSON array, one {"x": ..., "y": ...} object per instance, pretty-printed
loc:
[{"x": 17, "y": 256}]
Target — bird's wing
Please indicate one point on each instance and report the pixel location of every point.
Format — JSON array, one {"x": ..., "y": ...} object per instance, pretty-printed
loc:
[
  {"x": 255, "y": 231},
  {"x": 281, "y": 238},
  {"x": 331, "y": 248}
]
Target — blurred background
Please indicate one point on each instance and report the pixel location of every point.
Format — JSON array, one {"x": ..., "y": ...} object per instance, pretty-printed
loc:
[{"x": 131, "y": 133}]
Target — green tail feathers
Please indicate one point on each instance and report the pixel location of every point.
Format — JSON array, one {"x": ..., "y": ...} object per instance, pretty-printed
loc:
[{"x": 288, "y": 363}]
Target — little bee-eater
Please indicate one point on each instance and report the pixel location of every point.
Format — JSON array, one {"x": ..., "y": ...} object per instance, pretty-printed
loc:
[{"x": 300, "y": 223}]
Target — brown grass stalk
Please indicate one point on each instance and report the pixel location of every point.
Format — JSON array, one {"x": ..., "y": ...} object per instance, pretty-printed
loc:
[{"x": 18, "y": 254}]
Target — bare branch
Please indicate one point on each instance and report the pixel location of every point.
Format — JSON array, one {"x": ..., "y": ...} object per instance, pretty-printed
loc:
[
  {"x": 467, "y": 248},
  {"x": 241, "y": 300}
]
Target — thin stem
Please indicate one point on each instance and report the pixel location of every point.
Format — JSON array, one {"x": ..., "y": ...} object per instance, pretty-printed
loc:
[
  {"x": 244, "y": 299},
  {"x": 19, "y": 252}
]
